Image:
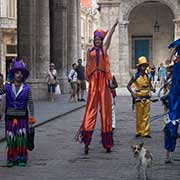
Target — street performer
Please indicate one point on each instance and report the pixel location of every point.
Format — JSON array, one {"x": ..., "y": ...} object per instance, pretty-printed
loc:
[
  {"x": 142, "y": 97},
  {"x": 172, "y": 121},
  {"x": 98, "y": 75},
  {"x": 19, "y": 113}
]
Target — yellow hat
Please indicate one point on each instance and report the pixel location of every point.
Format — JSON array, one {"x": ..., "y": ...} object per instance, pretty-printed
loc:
[{"x": 142, "y": 60}]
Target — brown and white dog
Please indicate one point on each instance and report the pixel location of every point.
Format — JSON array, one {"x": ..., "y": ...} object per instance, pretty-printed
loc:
[{"x": 144, "y": 159}]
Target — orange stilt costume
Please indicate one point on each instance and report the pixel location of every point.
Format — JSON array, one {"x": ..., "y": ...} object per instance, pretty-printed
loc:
[{"x": 98, "y": 73}]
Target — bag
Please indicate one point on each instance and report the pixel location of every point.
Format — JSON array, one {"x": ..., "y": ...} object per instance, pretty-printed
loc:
[
  {"x": 113, "y": 84},
  {"x": 30, "y": 138},
  {"x": 57, "y": 90}
]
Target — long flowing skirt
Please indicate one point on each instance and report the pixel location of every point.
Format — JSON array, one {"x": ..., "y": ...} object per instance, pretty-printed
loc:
[{"x": 16, "y": 137}]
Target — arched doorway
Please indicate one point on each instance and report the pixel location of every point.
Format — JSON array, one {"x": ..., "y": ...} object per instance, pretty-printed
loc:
[{"x": 145, "y": 37}]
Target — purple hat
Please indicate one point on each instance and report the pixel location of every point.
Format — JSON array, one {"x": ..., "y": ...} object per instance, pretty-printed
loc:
[{"x": 18, "y": 65}]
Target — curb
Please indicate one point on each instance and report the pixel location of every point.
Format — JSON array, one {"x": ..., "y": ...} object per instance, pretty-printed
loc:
[{"x": 2, "y": 139}]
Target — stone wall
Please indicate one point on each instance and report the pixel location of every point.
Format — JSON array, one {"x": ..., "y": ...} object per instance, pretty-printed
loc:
[{"x": 130, "y": 23}]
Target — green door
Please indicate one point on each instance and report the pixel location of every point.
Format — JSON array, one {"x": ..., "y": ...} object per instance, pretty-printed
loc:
[{"x": 141, "y": 48}]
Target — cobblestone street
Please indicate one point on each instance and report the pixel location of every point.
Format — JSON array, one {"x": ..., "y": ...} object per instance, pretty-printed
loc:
[{"x": 58, "y": 156}]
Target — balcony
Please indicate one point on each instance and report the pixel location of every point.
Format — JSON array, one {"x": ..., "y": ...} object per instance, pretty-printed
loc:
[{"x": 6, "y": 22}]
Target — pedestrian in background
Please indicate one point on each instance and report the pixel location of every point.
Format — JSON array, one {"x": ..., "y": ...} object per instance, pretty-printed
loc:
[
  {"x": 18, "y": 115},
  {"x": 81, "y": 81},
  {"x": 72, "y": 79},
  {"x": 98, "y": 75},
  {"x": 142, "y": 97},
  {"x": 162, "y": 74},
  {"x": 51, "y": 81},
  {"x": 152, "y": 73}
]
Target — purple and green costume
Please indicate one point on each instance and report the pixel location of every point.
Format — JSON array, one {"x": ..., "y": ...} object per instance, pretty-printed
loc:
[
  {"x": 16, "y": 121},
  {"x": 19, "y": 106}
]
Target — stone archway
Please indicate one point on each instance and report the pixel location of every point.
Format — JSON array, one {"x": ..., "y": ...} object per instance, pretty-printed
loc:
[
  {"x": 127, "y": 7},
  {"x": 120, "y": 50},
  {"x": 143, "y": 39}
]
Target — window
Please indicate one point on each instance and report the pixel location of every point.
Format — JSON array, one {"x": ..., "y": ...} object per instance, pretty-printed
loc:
[{"x": 11, "y": 49}]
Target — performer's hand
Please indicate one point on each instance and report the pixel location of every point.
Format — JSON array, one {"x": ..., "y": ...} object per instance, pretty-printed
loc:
[{"x": 32, "y": 120}]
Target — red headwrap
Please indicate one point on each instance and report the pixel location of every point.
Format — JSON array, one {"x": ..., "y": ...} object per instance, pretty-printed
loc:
[{"x": 100, "y": 33}]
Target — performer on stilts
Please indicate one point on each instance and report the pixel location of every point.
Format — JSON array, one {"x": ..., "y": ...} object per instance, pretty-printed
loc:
[{"x": 98, "y": 75}]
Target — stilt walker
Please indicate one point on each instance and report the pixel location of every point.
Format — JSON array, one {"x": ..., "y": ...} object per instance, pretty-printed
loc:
[{"x": 98, "y": 75}]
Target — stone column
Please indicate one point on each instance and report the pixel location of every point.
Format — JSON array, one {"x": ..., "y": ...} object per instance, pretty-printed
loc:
[
  {"x": 119, "y": 48},
  {"x": 33, "y": 42},
  {"x": 26, "y": 25},
  {"x": 72, "y": 35},
  {"x": 43, "y": 39},
  {"x": 58, "y": 40},
  {"x": 176, "y": 28},
  {"x": 124, "y": 60}
]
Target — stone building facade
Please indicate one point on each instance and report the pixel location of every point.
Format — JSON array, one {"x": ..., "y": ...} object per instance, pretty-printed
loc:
[
  {"x": 145, "y": 28},
  {"x": 8, "y": 34},
  {"x": 48, "y": 31}
]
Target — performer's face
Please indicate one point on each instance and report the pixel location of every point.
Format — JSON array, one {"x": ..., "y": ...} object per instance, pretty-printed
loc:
[
  {"x": 18, "y": 76},
  {"x": 97, "y": 41},
  {"x": 143, "y": 67}
]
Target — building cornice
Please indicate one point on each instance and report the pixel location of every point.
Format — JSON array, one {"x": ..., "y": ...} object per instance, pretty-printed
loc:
[{"x": 109, "y": 3}]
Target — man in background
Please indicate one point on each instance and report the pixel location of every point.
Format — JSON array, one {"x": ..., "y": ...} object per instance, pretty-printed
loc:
[{"x": 81, "y": 81}]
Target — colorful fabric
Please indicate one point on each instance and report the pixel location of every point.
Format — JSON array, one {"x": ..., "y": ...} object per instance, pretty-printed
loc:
[
  {"x": 18, "y": 65},
  {"x": 103, "y": 63},
  {"x": 172, "y": 123},
  {"x": 143, "y": 117},
  {"x": 170, "y": 136},
  {"x": 99, "y": 93},
  {"x": 142, "y": 84},
  {"x": 100, "y": 33},
  {"x": 18, "y": 106},
  {"x": 176, "y": 45},
  {"x": 16, "y": 137},
  {"x": 143, "y": 105}
]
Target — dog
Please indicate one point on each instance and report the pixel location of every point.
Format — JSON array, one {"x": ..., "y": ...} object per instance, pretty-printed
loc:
[{"x": 144, "y": 159}]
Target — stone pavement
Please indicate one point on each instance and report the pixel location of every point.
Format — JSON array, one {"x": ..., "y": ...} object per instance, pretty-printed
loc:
[
  {"x": 57, "y": 156},
  {"x": 46, "y": 111}
]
